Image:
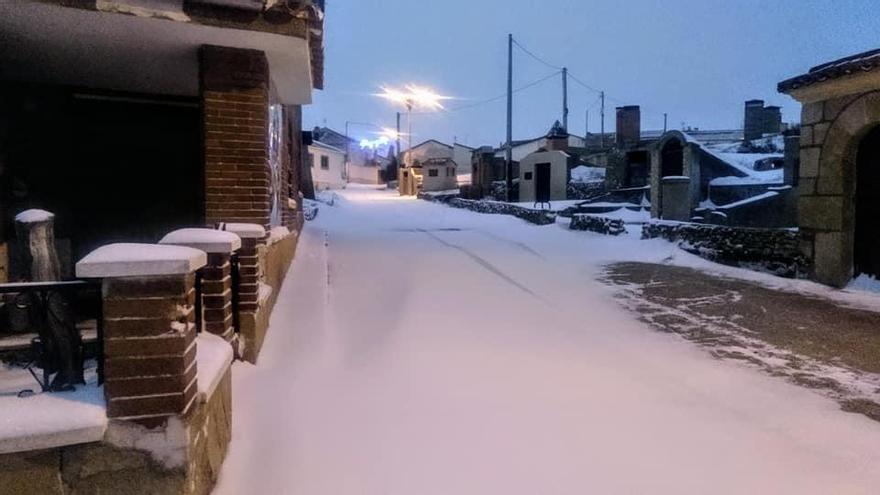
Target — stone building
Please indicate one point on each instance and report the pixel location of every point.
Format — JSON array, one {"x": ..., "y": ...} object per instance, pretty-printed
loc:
[
  {"x": 839, "y": 183},
  {"x": 146, "y": 127}
]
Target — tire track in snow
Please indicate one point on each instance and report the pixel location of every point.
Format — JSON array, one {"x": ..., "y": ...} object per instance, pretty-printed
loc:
[{"x": 486, "y": 265}]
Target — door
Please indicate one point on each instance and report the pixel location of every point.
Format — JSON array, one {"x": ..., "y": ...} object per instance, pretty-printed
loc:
[
  {"x": 867, "y": 234},
  {"x": 542, "y": 183}
]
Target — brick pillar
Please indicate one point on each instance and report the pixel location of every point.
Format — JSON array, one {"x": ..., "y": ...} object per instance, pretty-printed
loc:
[
  {"x": 251, "y": 326},
  {"x": 249, "y": 274},
  {"x": 235, "y": 105},
  {"x": 149, "y": 330},
  {"x": 216, "y": 276}
]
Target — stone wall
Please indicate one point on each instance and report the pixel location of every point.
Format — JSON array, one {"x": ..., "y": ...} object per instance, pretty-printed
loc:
[
  {"x": 274, "y": 263},
  {"x": 532, "y": 216},
  {"x": 769, "y": 250},
  {"x": 598, "y": 224},
  {"x": 102, "y": 467},
  {"x": 585, "y": 190}
]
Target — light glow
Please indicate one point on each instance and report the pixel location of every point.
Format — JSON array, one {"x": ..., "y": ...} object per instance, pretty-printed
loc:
[{"x": 414, "y": 97}]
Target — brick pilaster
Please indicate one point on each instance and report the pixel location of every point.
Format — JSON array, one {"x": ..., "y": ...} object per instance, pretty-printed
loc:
[
  {"x": 150, "y": 351},
  {"x": 217, "y": 296},
  {"x": 249, "y": 274},
  {"x": 235, "y": 103}
]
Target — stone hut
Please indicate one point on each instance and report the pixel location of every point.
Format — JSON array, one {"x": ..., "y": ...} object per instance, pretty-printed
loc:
[{"x": 839, "y": 178}]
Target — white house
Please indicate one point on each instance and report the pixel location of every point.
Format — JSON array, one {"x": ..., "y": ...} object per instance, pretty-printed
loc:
[
  {"x": 444, "y": 159},
  {"x": 328, "y": 166}
]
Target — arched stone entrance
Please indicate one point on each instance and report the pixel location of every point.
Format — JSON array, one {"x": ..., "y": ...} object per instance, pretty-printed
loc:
[
  {"x": 866, "y": 240},
  {"x": 672, "y": 159}
]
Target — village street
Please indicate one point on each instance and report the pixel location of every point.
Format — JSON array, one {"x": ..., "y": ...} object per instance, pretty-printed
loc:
[{"x": 421, "y": 349}]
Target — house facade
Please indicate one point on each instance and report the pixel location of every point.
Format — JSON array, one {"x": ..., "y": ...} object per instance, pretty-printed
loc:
[
  {"x": 839, "y": 180},
  {"x": 328, "y": 166},
  {"x": 146, "y": 128},
  {"x": 432, "y": 166}
]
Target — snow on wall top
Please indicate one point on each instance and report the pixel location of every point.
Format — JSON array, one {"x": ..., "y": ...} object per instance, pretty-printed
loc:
[
  {"x": 583, "y": 173},
  {"x": 207, "y": 240},
  {"x": 214, "y": 356},
  {"x": 48, "y": 420},
  {"x": 137, "y": 260},
  {"x": 34, "y": 216},
  {"x": 246, "y": 230}
]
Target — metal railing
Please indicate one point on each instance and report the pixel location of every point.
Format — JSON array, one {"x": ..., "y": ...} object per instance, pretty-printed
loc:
[{"x": 50, "y": 311}]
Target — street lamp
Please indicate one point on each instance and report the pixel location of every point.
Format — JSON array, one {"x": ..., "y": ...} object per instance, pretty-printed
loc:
[{"x": 413, "y": 96}]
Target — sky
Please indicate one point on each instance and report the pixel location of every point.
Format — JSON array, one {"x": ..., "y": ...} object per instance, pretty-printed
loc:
[{"x": 696, "y": 60}]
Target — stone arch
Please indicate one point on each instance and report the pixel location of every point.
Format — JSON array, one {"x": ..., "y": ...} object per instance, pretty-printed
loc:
[
  {"x": 837, "y": 180},
  {"x": 672, "y": 158}
]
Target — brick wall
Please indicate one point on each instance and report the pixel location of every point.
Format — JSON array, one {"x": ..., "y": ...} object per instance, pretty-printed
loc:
[
  {"x": 150, "y": 352},
  {"x": 235, "y": 102}
]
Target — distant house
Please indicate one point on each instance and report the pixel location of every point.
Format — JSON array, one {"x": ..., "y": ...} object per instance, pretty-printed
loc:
[
  {"x": 328, "y": 166},
  {"x": 488, "y": 165},
  {"x": 432, "y": 166},
  {"x": 544, "y": 174}
]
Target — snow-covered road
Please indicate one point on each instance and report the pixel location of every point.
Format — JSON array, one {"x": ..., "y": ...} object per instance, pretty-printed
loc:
[{"x": 418, "y": 349}]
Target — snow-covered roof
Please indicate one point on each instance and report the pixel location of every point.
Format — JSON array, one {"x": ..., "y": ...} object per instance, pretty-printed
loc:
[
  {"x": 325, "y": 146},
  {"x": 583, "y": 173},
  {"x": 853, "y": 64}
]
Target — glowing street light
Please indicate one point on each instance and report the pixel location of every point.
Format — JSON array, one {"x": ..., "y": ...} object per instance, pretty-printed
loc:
[{"x": 412, "y": 96}]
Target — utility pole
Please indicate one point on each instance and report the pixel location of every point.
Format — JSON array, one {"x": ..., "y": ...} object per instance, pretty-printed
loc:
[
  {"x": 399, "y": 154},
  {"x": 586, "y": 125},
  {"x": 664, "y": 123},
  {"x": 565, "y": 98},
  {"x": 602, "y": 126},
  {"x": 509, "y": 151}
]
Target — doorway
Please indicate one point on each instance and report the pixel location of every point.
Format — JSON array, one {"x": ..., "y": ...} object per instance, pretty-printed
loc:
[
  {"x": 867, "y": 224},
  {"x": 542, "y": 183}
]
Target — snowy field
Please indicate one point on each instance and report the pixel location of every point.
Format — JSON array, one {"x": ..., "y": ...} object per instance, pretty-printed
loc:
[{"x": 422, "y": 349}]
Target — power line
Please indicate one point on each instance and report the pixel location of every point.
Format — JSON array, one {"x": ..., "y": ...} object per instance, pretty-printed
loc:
[
  {"x": 495, "y": 98},
  {"x": 539, "y": 59}
]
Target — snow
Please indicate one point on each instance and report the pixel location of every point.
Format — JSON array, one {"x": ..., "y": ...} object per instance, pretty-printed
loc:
[
  {"x": 47, "y": 420},
  {"x": 278, "y": 233},
  {"x": 753, "y": 199},
  {"x": 214, "y": 356},
  {"x": 492, "y": 361},
  {"x": 132, "y": 260},
  {"x": 865, "y": 282},
  {"x": 34, "y": 216},
  {"x": 207, "y": 240},
  {"x": 755, "y": 178},
  {"x": 583, "y": 173},
  {"x": 627, "y": 215},
  {"x": 246, "y": 230}
]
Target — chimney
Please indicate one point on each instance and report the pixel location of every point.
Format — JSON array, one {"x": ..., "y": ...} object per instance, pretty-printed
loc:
[
  {"x": 557, "y": 138},
  {"x": 772, "y": 120},
  {"x": 753, "y": 127},
  {"x": 629, "y": 126}
]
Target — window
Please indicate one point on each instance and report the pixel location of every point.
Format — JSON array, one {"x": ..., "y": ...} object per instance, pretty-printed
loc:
[
  {"x": 527, "y": 176},
  {"x": 311, "y": 160},
  {"x": 325, "y": 162},
  {"x": 433, "y": 172}
]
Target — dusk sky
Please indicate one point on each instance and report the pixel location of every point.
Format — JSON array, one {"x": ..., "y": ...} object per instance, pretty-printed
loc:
[{"x": 696, "y": 60}]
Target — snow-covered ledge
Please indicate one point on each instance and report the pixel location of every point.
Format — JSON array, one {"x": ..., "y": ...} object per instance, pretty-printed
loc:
[
  {"x": 208, "y": 240},
  {"x": 140, "y": 260},
  {"x": 214, "y": 357},
  {"x": 245, "y": 230}
]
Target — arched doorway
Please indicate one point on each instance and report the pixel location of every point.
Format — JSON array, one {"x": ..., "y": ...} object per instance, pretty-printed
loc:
[
  {"x": 866, "y": 259},
  {"x": 672, "y": 159}
]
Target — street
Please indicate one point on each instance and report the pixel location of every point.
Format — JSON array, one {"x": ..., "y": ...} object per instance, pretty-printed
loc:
[{"x": 420, "y": 349}]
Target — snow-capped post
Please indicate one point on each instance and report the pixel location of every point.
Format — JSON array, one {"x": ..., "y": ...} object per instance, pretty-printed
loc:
[
  {"x": 247, "y": 285},
  {"x": 215, "y": 278},
  {"x": 149, "y": 330},
  {"x": 35, "y": 232}
]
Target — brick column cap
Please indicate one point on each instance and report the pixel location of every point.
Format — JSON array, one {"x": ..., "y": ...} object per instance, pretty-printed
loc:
[
  {"x": 140, "y": 260},
  {"x": 208, "y": 240},
  {"x": 245, "y": 230}
]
